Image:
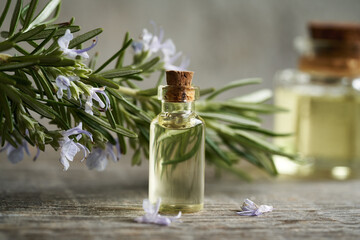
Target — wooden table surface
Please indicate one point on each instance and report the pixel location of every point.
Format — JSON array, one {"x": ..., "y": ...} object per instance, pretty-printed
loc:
[{"x": 43, "y": 202}]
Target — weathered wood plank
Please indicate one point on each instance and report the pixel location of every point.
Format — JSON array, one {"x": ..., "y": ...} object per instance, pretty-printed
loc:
[{"x": 46, "y": 203}]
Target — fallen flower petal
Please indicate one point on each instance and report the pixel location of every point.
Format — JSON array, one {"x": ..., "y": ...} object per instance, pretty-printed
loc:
[
  {"x": 249, "y": 208},
  {"x": 152, "y": 216}
]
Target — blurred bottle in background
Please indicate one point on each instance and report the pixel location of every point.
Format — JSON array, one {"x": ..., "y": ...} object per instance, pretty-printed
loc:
[{"x": 323, "y": 98}]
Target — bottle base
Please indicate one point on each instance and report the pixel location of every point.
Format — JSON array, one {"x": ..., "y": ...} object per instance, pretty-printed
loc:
[
  {"x": 318, "y": 169},
  {"x": 184, "y": 208}
]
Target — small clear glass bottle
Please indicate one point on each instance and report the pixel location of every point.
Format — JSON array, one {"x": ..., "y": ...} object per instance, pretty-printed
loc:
[
  {"x": 177, "y": 148},
  {"x": 323, "y": 100}
]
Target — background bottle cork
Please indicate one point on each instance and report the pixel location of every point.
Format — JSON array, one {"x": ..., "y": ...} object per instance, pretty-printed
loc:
[
  {"x": 179, "y": 86},
  {"x": 344, "y": 32},
  {"x": 336, "y": 50},
  {"x": 337, "y": 39}
]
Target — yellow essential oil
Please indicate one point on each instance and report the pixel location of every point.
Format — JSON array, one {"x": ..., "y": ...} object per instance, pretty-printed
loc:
[
  {"x": 325, "y": 127},
  {"x": 322, "y": 97},
  {"x": 177, "y": 149}
]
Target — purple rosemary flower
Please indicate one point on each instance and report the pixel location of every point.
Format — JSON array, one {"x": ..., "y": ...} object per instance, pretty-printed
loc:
[
  {"x": 137, "y": 46},
  {"x": 16, "y": 155},
  {"x": 98, "y": 158},
  {"x": 63, "y": 83},
  {"x": 168, "y": 48},
  {"x": 118, "y": 150},
  {"x": 152, "y": 214},
  {"x": 37, "y": 154},
  {"x": 69, "y": 148},
  {"x": 72, "y": 53},
  {"x": 93, "y": 96},
  {"x": 153, "y": 43},
  {"x": 249, "y": 208}
]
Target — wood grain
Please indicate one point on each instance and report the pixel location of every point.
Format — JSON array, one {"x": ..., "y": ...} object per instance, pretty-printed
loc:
[{"x": 47, "y": 203}]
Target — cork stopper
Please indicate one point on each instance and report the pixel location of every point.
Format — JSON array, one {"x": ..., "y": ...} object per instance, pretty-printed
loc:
[
  {"x": 344, "y": 32},
  {"x": 179, "y": 78},
  {"x": 179, "y": 86},
  {"x": 336, "y": 49}
]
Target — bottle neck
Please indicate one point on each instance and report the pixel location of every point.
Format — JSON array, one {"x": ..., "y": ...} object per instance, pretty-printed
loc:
[{"x": 177, "y": 107}]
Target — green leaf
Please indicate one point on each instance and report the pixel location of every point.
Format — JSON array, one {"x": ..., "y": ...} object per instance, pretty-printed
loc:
[
  {"x": 38, "y": 107},
  {"x": 116, "y": 73},
  {"x": 102, "y": 81},
  {"x": 5, "y": 11},
  {"x": 56, "y": 102},
  {"x": 45, "y": 60},
  {"x": 56, "y": 15},
  {"x": 217, "y": 150},
  {"x": 206, "y": 91},
  {"x": 120, "y": 59},
  {"x": 148, "y": 92},
  {"x": 5, "y": 105},
  {"x": 64, "y": 62},
  {"x": 259, "y": 96},
  {"x": 20, "y": 78},
  {"x": 23, "y": 13},
  {"x": 232, "y": 169},
  {"x": 146, "y": 66},
  {"x": 26, "y": 36},
  {"x": 93, "y": 60},
  {"x": 185, "y": 156},
  {"x": 262, "y": 131},
  {"x": 171, "y": 135},
  {"x": 110, "y": 118},
  {"x": 266, "y": 161},
  {"x": 249, "y": 139},
  {"x": 234, "y": 84},
  {"x": 100, "y": 129},
  {"x": 45, "y": 13},
  {"x": 43, "y": 43},
  {"x": 5, "y": 45},
  {"x": 119, "y": 129},
  {"x": 40, "y": 78},
  {"x": 136, "y": 159},
  {"x": 11, "y": 92},
  {"x": 133, "y": 77},
  {"x": 15, "y": 17},
  {"x": 5, "y": 79},
  {"x": 114, "y": 56},
  {"x": 13, "y": 66},
  {"x": 29, "y": 14},
  {"x": 231, "y": 118},
  {"x": 84, "y": 37},
  {"x": 61, "y": 31},
  {"x": 160, "y": 79},
  {"x": 21, "y": 50},
  {"x": 133, "y": 108},
  {"x": 246, "y": 139},
  {"x": 261, "y": 108}
]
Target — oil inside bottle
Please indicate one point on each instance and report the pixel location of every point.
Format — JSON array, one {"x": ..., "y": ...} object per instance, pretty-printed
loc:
[{"x": 176, "y": 173}]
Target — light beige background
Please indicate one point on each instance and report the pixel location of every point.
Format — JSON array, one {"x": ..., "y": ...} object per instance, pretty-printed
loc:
[{"x": 225, "y": 40}]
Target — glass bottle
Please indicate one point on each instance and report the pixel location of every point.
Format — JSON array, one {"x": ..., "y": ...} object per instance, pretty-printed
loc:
[
  {"x": 177, "y": 147},
  {"x": 322, "y": 97}
]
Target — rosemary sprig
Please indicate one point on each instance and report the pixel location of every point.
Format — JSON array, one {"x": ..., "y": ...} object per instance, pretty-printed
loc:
[{"x": 28, "y": 89}]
